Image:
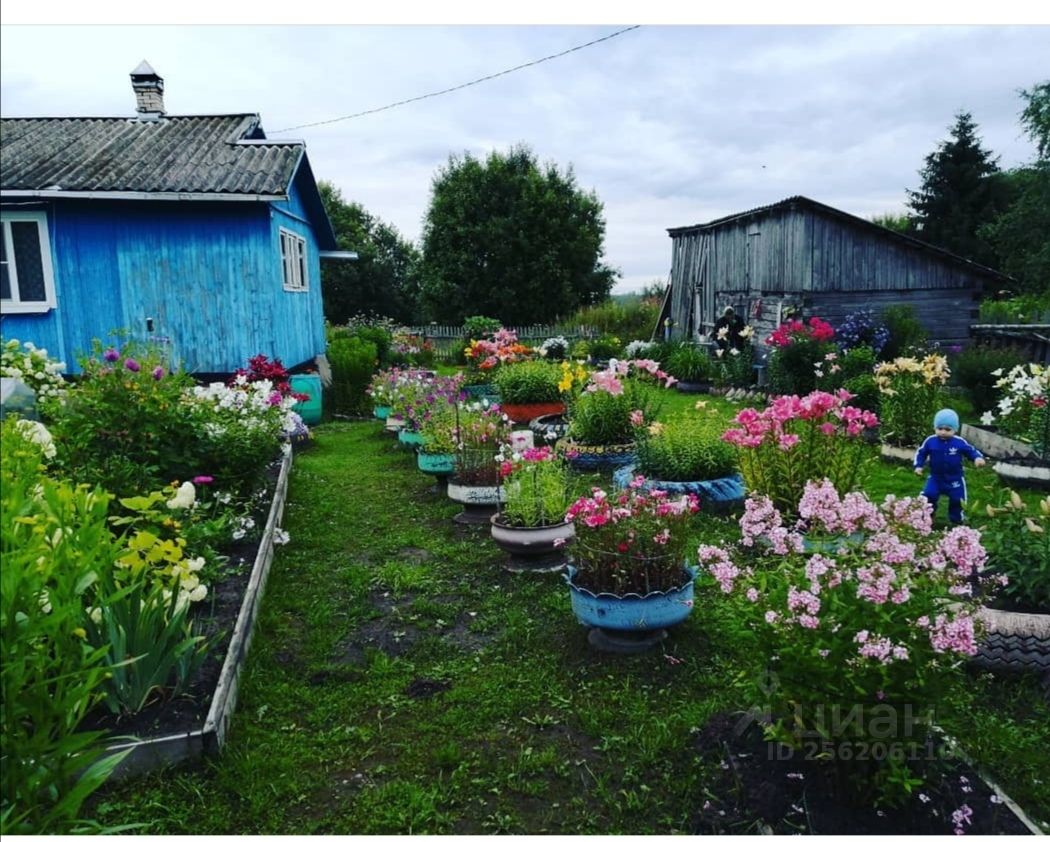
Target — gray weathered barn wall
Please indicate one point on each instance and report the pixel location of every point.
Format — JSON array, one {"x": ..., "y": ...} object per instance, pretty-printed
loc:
[{"x": 802, "y": 254}]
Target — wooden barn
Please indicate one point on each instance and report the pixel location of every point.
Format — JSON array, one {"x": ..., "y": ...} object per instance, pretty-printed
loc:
[
  {"x": 195, "y": 232},
  {"x": 799, "y": 256}
]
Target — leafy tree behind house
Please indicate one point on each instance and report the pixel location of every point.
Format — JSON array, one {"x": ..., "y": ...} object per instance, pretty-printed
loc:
[
  {"x": 1020, "y": 235},
  {"x": 960, "y": 192},
  {"x": 508, "y": 238},
  {"x": 383, "y": 280},
  {"x": 899, "y": 222}
]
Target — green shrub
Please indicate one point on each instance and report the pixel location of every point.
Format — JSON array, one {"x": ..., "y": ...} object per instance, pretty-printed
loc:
[
  {"x": 353, "y": 361},
  {"x": 973, "y": 371},
  {"x": 479, "y": 327},
  {"x": 1023, "y": 309},
  {"x": 792, "y": 368},
  {"x": 735, "y": 369},
  {"x": 906, "y": 331},
  {"x": 632, "y": 319},
  {"x": 599, "y": 418},
  {"x": 528, "y": 382},
  {"x": 688, "y": 364},
  {"x": 49, "y": 674},
  {"x": 126, "y": 426},
  {"x": 605, "y": 347},
  {"x": 689, "y": 448},
  {"x": 1017, "y": 539},
  {"x": 865, "y": 392},
  {"x": 380, "y": 338}
]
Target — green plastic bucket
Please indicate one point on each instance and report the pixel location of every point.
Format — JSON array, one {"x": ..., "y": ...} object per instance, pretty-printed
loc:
[{"x": 308, "y": 384}]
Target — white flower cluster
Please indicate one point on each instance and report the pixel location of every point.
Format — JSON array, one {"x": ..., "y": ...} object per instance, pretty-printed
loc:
[
  {"x": 254, "y": 404},
  {"x": 37, "y": 433},
  {"x": 555, "y": 342},
  {"x": 1020, "y": 386},
  {"x": 33, "y": 367},
  {"x": 638, "y": 348}
]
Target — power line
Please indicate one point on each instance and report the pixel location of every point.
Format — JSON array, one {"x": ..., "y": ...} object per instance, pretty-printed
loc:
[{"x": 457, "y": 87}]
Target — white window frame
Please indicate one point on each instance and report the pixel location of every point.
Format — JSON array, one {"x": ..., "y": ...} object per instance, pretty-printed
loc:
[
  {"x": 15, "y": 304},
  {"x": 293, "y": 261}
]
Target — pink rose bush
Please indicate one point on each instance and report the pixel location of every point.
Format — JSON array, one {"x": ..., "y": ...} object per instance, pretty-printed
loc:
[
  {"x": 631, "y": 541},
  {"x": 795, "y": 440},
  {"x": 867, "y": 626}
]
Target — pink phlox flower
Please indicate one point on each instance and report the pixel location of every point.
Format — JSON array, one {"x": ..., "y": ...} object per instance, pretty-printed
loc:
[
  {"x": 752, "y": 595},
  {"x": 953, "y": 635},
  {"x": 962, "y": 545}
]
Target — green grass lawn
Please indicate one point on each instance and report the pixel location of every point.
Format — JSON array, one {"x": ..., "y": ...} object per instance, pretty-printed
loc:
[{"x": 400, "y": 681}]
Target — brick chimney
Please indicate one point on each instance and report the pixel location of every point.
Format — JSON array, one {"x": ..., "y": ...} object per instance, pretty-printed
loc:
[{"x": 149, "y": 90}]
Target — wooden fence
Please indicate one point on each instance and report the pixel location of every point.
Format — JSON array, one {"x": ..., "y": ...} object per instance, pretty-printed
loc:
[{"x": 1033, "y": 341}]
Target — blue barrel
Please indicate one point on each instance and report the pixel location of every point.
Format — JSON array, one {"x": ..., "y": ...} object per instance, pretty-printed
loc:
[{"x": 308, "y": 384}]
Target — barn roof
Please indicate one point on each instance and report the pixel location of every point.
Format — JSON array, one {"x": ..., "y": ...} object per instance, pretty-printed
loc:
[
  {"x": 859, "y": 222},
  {"x": 222, "y": 156}
]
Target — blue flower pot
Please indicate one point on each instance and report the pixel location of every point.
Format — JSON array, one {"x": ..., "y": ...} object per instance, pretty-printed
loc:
[
  {"x": 634, "y": 622},
  {"x": 717, "y": 495},
  {"x": 381, "y": 412}
]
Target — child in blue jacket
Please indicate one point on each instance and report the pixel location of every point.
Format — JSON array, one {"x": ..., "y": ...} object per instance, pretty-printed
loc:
[{"x": 945, "y": 450}]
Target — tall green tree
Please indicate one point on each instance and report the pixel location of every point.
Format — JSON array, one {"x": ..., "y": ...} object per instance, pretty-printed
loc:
[
  {"x": 507, "y": 238},
  {"x": 960, "y": 192},
  {"x": 1020, "y": 235},
  {"x": 385, "y": 277}
]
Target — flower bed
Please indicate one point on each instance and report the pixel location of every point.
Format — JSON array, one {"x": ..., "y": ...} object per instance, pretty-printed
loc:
[{"x": 172, "y": 734}]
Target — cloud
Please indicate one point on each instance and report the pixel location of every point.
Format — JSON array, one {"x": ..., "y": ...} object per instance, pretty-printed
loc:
[{"x": 670, "y": 125}]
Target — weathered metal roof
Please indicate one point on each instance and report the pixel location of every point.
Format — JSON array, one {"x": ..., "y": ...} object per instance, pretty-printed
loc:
[
  {"x": 819, "y": 207},
  {"x": 222, "y": 155}
]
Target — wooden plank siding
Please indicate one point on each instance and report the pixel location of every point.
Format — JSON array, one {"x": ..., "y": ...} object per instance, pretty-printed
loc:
[
  {"x": 208, "y": 274},
  {"x": 827, "y": 263}
]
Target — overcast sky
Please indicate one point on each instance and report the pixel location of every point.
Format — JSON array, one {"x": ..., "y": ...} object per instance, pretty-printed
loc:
[{"x": 669, "y": 125}]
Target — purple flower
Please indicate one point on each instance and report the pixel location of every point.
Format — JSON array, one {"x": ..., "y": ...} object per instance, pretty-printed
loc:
[
  {"x": 131, "y": 364},
  {"x": 203, "y": 480},
  {"x": 158, "y": 373},
  {"x": 111, "y": 355}
]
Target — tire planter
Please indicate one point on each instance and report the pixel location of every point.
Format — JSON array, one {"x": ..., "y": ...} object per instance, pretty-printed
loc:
[
  {"x": 896, "y": 453},
  {"x": 584, "y": 457},
  {"x": 438, "y": 465},
  {"x": 532, "y": 549},
  {"x": 523, "y": 413},
  {"x": 152, "y": 754},
  {"x": 555, "y": 426},
  {"x": 631, "y": 623},
  {"x": 393, "y": 425},
  {"x": 693, "y": 388},
  {"x": 410, "y": 438},
  {"x": 1016, "y": 641},
  {"x": 720, "y": 495},
  {"x": 310, "y": 385},
  {"x": 994, "y": 444},
  {"x": 479, "y": 501},
  {"x": 381, "y": 412},
  {"x": 1027, "y": 473},
  {"x": 482, "y": 391}
]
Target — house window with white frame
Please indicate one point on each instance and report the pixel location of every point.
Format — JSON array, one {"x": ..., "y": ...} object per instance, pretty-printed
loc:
[
  {"x": 27, "y": 280},
  {"x": 293, "y": 261}
]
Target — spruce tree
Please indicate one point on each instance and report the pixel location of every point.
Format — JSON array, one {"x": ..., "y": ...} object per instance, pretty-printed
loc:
[{"x": 961, "y": 191}]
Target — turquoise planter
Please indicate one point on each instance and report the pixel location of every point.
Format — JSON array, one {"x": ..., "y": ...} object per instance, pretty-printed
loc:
[
  {"x": 632, "y": 623},
  {"x": 381, "y": 412},
  {"x": 410, "y": 438},
  {"x": 482, "y": 391},
  {"x": 309, "y": 384},
  {"x": 714, "y": 494},
  {"x": 436, "y": 464},
  {"x": 632, "y": 612}
]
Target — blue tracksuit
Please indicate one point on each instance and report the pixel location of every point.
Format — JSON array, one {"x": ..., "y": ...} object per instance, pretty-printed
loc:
[{"x": 946, "y": 471}]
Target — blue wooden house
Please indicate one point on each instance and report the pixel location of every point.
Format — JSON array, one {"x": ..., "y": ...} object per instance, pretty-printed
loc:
[{"x": 194, "y": 232}]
